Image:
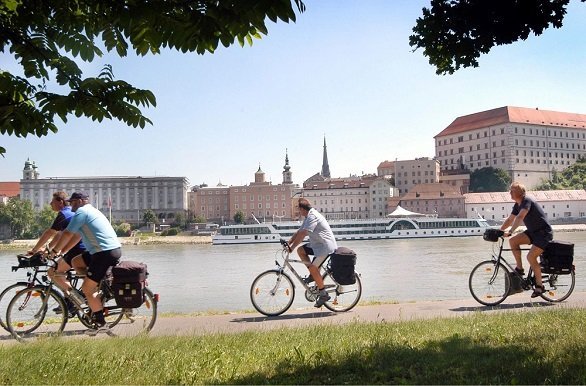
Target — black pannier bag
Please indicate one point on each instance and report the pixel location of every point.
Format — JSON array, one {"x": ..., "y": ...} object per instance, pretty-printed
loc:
[
  {"x": 128, "y": 282},
  {"x": 558, "y": 258},
  {"x": 342, "y": 264}
]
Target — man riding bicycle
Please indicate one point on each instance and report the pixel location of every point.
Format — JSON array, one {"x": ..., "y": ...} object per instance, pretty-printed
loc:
[
  {"x": 538, "y": 233},
  {"x": 321, "y": 243},
  {"x": 103, "y": 251}
]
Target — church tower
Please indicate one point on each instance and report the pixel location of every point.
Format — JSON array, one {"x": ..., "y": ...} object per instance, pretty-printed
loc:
[
  {"x": 325, "y": 167},
  {"x": 259, "y": 176},
  {"x": 287, "y": 174},
  {"x": 30, "y": 171}
]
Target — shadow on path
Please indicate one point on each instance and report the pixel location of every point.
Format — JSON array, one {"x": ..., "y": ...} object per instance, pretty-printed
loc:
[
  {"x": 256, "y": 319},
  {"x": 503, "y": 307}
]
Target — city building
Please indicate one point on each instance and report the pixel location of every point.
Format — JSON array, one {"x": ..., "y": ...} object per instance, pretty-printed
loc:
[
  {"x": 528, "y": 143},
  {"x": 559, "y": 205},
  {"x": 122, "y": 198},
  {"x": 8, "y": 190},
  {"x": 386, "y": 169},
  {"x": 439, "y": 199},
  {"x": 260, "y": 200},
  {"x": 351, "y": 197},
  {"x": 409, "y": 173}
]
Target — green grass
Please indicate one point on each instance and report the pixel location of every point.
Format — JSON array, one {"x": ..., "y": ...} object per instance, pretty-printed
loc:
[{"x": 544, "y": 347}]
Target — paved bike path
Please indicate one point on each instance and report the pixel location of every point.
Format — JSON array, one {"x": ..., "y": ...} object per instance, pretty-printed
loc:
[
  {"x": 239, "y": 322},
  {"x": 230, "y": 323}
]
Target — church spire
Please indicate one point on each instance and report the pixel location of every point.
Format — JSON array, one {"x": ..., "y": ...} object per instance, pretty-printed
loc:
[
  {"x": 325, "y": 167},
  {"x": 287, "y": 175}
]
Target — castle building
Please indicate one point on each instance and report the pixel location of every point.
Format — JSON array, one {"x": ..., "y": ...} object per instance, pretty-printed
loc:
[
  {"x": 528, "y": 143},
  {"x": 125, "y": 197}
]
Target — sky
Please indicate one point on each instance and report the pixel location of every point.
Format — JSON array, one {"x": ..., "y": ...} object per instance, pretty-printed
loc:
[{"x": 343, "y": 71}]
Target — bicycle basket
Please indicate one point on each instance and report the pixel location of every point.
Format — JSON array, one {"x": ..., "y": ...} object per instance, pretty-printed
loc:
[
  {"x": 35, "y": 260},
  {"x": 492, "y": 235}
]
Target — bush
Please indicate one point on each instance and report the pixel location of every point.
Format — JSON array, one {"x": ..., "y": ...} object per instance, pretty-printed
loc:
[
  {"x": 170, "y": 232},
  {"x": 123, "y": 230}
]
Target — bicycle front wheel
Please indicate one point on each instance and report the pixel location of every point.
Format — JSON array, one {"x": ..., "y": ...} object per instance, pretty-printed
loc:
[
  {"x": 272, "y": 292},
  {"x": 489, "y": 283},
  {"x": 343, "y": 297},
  {"x": 5, "y": 298},
  {"x": 133, "y": 321},
  {"x": 558, "y": 287},
  {"x": 36, "y": 312}
]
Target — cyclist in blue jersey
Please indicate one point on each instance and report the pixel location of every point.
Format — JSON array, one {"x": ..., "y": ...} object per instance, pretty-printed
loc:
[
  {"x": 60, "y": 204},
  {"x": 103, "y": 251}
]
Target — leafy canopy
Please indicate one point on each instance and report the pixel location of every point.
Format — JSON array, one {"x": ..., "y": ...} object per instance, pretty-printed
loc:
[
  {"x": 572, "y": 177},
  {"x": 49, "y": 38},
  {"x": 489, "y": 180},
  {"x": 454, "y": 33}
]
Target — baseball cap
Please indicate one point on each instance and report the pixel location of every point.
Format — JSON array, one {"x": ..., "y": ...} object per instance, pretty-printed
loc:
[{"x": 78, "y": 196}]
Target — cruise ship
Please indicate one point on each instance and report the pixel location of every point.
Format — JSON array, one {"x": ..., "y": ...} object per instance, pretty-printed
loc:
[{"x": 357, "y": 229}]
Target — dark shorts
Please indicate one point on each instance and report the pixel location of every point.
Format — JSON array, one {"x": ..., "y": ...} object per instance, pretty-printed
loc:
[
  {"x": 316, "y": 260},
  {"x": 100, "y": 262},
  {"x": 76, "y": 251},
  {"x": 540, "y": 238}
]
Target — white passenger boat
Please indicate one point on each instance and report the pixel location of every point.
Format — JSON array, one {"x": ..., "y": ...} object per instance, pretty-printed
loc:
[{"x": 357, "y": 229}]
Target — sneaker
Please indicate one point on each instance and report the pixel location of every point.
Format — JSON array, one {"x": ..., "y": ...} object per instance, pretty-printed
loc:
[
  {"x": 308, "y": 280},
  {"x": 322, "y": 298},
  {"x": 95, "y": 331},
  {"x": 71, "y": 309},
  {"x": 538, "y": 291}
]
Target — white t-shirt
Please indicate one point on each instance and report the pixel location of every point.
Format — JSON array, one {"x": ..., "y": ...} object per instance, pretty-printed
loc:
[{"x": 321, "y": 237}]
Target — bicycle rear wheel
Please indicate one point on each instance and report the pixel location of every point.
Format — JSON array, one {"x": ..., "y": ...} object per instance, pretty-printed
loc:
[
  {"x": 5, "y": 298},
  {"x": 272, "y": 292},
  {"x": 489, "y": 283},
  {"x": 36, "y": 312},
  {"x": 343, "y": 297},
  {"x": 132, "y": 321},
  {"x": 558, "y": 287}
]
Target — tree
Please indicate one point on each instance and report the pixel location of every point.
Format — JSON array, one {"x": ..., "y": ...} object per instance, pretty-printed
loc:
[
  {"x": 19, "y": 215},
  {"x": 48, "y": 39},
  {"x": 199, "y": 219},
  {"x": 149, "y": 216},
  {"x": 453, "y": 33},
  {"x": 572, "y": 177},
  {"x": 239, "y": 217},
  {"x": 45, "y": 219},
  {"x": 489, "y": 180},
  {"x": 180, "y": 220}
]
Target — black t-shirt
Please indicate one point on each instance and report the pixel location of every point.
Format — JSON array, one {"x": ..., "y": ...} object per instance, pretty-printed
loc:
[
  {"x": 60, "y": 222},
  {"x": 535, "y": 219}
]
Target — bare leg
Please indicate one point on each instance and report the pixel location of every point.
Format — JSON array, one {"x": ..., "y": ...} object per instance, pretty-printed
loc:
[
  {"x": 515, "y": 242},
  {"x": 313, "y": 270},
  {"x": 90, "y": 290},
  {"x": 532, "y": 256},
  {"x": 58, "y": 275}
]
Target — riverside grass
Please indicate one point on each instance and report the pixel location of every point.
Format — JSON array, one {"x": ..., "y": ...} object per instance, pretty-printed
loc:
[{"x": 543, "y": 347}]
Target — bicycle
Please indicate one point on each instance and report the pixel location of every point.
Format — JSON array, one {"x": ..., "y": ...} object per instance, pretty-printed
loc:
[
  {"x": 272, "y": 292},
  {"x": 490, "y": 281},
  {"x": 36, "y": 272},
  {"x": 40, "y": 311}
]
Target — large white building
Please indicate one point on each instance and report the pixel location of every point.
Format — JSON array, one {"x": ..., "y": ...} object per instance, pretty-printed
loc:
[
  {"x": 559, "y": 205},
  {"x": 527, "y": 143},
  {"x": 127, "y": 197}
]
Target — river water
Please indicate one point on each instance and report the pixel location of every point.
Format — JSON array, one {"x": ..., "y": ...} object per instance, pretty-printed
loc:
[{"x": 196, "y": 278}]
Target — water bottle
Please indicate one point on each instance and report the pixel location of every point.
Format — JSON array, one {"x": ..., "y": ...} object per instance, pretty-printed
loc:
[{"x": 76, "y": 297}]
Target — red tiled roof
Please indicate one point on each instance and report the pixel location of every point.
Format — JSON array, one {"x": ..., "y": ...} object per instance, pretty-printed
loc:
[
  {"x": 386, "y": 164},
  {"x": 538, "y": 195},
  {"x": 511, "y": 114},
  {"x": 9, "y": 189}
]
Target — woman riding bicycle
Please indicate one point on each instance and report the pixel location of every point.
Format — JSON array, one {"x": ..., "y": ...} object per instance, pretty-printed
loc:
[{"x": 538, "y": 233}]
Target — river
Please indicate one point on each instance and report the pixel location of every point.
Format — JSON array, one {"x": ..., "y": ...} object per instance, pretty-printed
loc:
[{"x": 199, "y": 278}]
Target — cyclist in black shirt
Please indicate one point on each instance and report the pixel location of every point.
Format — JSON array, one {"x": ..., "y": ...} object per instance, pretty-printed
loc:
[{"x": 538, "y": 233}]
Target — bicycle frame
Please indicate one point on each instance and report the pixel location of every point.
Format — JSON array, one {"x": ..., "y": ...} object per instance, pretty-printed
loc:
[{"x": 500, "y": 259}]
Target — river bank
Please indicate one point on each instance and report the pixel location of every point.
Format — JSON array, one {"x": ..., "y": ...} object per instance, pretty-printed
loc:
[{"x": 171, "y": 240}]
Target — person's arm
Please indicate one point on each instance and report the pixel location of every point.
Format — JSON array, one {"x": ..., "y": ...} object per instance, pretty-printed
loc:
[
  {"x": 508, "y": 222},
  {"x": 517, "y": 221},
  {"x": 297, "y": 238},
  {"x": 65, "y": 243},
  {"x": 46, "y": 236}
]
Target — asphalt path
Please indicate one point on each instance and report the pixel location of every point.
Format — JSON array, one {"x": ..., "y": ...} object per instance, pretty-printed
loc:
[{"x": 253, "y": 321}]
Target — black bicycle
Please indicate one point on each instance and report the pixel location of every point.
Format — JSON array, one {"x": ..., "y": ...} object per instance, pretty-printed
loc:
[
  {"x": 491, "y": 281},
  {"x": 40, "y": 310}
]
